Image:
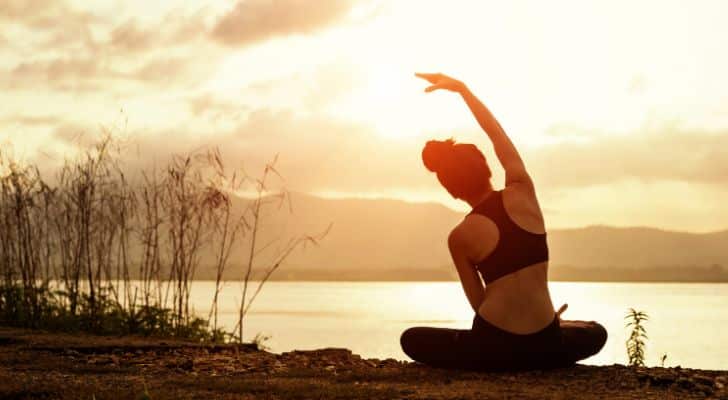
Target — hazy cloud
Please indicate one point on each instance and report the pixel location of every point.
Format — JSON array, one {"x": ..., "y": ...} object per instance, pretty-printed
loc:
[
  {"x": 319, "y": 153},
  {"x": 61, "y": 25},
  {"x": 161, "y": 70},
  {"x": 67, "y": 54},
  {"x": 75, "y": 134},
  {"x": 130, "y": 37},
  {"x": 669, "y": 155},
  {"x": 88, "y": 73},
  {"x": 56, "y": 69},
  {"x": 208, "y": 105},
  {"x": 315, "y": 152},
  {"x": 172, "y": 30},
  {"x": 31, "y": 120},
  {"x": 28, "y": 9},
  {"x": 257, "y": 20},
  {"x": 66, "y": 73}
]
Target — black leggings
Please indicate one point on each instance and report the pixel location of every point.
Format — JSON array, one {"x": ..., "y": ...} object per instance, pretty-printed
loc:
[{"x": 487, "y": 347}]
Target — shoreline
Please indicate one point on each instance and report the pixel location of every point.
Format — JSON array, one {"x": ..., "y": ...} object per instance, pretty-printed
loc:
[
  {"x": 454, "y": 280},
  {"x": 35, "y": 364}
]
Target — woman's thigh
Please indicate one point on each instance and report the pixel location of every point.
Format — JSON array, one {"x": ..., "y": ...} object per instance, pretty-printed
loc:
[
  {"x": 454, "y": 348},
  {"x": 438, "y": 346}
]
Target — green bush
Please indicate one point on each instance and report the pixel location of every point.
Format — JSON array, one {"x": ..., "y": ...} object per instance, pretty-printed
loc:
[{"x": 104, "y": 316}]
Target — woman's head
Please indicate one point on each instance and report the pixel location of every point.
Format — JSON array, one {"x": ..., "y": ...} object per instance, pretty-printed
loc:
[{"x": 460, "y": 167}]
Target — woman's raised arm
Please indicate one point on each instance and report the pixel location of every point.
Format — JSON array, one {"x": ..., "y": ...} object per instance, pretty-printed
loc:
[{"x": 502, "y": 144}]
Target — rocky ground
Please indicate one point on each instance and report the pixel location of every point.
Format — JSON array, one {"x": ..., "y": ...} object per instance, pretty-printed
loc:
[{"x": 59, "y": 366}]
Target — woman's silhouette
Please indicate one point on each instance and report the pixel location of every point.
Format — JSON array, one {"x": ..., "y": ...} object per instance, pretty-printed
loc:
[{"x": 502, "y": 240}]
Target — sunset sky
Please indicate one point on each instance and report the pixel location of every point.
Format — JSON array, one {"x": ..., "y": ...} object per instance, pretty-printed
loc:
[{"x": 620, "y": 108}]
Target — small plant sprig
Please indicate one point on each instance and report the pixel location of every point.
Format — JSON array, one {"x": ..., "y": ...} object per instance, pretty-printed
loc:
[
  {"x": 662, "y": 360},
  {"x": 260, "y": 340},
  {"x": 145, "y": 394},
  {"x": 637, "y": 338}
]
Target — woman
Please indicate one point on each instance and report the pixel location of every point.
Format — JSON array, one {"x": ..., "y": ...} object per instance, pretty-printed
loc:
[{"x": 503, "y": 239}]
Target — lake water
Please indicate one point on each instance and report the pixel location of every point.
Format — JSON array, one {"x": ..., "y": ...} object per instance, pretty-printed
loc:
[{"x": 688, "y": 322}]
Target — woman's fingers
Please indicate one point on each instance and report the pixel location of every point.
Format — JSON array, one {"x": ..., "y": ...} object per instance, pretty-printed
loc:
[
  {"x": 432, "y": 78},
  {"x": 432, "y": 88}
]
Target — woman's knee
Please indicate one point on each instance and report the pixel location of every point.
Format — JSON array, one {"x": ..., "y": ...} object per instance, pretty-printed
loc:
[
  {"x": 582, "y": 339},
  {"x": 406, "y": 337},
  {"x": 410, "y": 339},
  {"x": 427, "y": 343},
  {"x": 599, "y": 334},
  {"x": 595, "y": 338}
]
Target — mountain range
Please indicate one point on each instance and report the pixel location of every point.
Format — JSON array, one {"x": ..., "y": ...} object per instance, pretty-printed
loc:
[{"x": 386, "y": 239}]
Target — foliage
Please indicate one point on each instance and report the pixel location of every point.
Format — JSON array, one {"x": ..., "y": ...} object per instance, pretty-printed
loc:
[
  {"x": 69, "y": 249},
  {"x": 663, "y": 359},
  {"x": 637, "y": 338},
  {"x": 259, "y": 341},
  {"x": 145, "y": 394}
]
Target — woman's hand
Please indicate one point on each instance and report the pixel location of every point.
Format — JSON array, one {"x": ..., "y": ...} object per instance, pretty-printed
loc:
[
  {"x": 561, "y": 310},
  {"x": 441, "y": 81}
]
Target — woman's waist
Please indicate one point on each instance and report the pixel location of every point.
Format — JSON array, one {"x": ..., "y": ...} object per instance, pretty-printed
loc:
[{"x": 519, "y": 310}]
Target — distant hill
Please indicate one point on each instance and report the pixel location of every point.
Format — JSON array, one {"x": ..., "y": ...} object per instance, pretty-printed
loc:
[
  {"x": 384, "y": 239},
  {"x": 601, "y": 246}
]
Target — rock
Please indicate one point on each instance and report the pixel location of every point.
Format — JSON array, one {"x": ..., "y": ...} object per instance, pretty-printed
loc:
[
  {"x": 71, "y": 352},
  {"x": 686, "y": 383},
  {"x": 705, "y": 389},
  {"x": 186, "y": 364},
  {"x": 389, "y": 362},
  {"x": 702, "y": 379},
  {"x": 657, "y": 378},
  {"x": 100, "y": 360}
]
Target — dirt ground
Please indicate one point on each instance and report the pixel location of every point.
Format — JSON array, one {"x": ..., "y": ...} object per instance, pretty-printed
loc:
[{"x": 37, "y": 365}]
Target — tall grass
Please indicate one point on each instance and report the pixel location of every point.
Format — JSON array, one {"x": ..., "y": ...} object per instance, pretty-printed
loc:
[{"x": 70, "y": 246}]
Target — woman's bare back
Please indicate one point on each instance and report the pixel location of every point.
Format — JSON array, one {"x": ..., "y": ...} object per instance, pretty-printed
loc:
[{"x": 520, "y": 301}]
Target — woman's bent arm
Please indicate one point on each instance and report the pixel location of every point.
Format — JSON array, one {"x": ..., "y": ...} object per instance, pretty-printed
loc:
[
  {"x": 469, "y": 278},
  {"x": 504, "y": 148}
]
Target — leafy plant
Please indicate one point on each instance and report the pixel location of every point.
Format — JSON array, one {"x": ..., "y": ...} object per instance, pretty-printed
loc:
[
  {"x": 145, "y": 394},
  {"x": 259, "y": 341},
  {"x": 637, "y": 338},
  {"x": 663, "y": 359}
]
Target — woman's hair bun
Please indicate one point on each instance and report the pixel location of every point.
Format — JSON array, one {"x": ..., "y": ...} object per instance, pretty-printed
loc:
[{"x": 437, "y": 153}]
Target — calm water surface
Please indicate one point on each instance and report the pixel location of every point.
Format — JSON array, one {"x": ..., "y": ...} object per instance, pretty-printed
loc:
[{"x": 688, "y": 322}]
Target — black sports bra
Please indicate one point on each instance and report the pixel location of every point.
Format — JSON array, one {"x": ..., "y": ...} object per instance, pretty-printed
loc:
[{"x": 516, "y": 248}]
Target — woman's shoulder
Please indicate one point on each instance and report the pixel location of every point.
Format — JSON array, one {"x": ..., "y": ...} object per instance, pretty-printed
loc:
[
  {"x": 521, "y": 205},
  {"x": 476, "y": 234}
]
